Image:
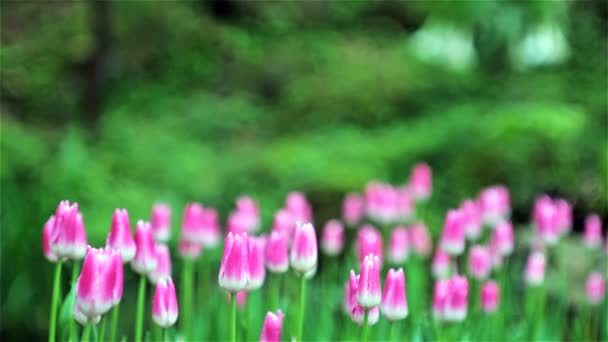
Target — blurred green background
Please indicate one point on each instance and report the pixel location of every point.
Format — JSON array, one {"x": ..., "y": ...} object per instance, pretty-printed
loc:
[{"x": 123, "y": 104}]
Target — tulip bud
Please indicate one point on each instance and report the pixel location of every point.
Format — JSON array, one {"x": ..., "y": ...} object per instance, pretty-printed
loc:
[
  {"x": 502, "y": 238},
  {"x": 356, "y": 311},
  {"x": 82, "y": 318},
  {"x": 420, "y": 182},
  {"x": 440, "y": 297},
  {"x": 284, "y": 223},
  {"x": 234, "y": 269},
  {"x": 480, "y": 262},
  {"x": 353, "y": 209},
  {"x": 494, "y": 204},
  {"x": 399, "y": 246},
  {"x": 420, "y": 239},
  {"x": 277, "y": 259},
  {"x": 120, "y": 238},
  {"x": 46, "y": 240},
  {"x": 273, "y": 324},
  {"x": 192, "y": 227},
  {"x": 189, "y": 250},
  {"x": 303, "y": 256},
  {"x": 458, "y": 295},
  {"x": 452, "y": 237},
  {"x": 257, "y": 271},
  {"x": 119, "y": 281},
  {"x": 596, "y": 288},
  {"x": 164, "y": 304},
  {"x": 332, "y": 240},
  {"x": 369, "y": 241},
  {"x": 163, "y": 264},
  {"x": 369, "y": 289},
  {"x": 394, "y": 299},
  {"x": 298, "y": 206},
  {"x": 68, "y": 238},
  {"x": 441, "y": 264},
  {"x": 564, "y": 215},
  {"x": 144, "y": 261},
  {"x": 404, "y": 205},
  {"x": 535, "y": 269},
  {"x": 471, "y": 219},
  {"x": 250, "y": 213},
  {"x": 210, "y": 231},
  {"x": 161, "y": 222},
  {"x": 490, "y": 296},
  {"x": 546, "y": 220},
  {"x": 97, "y": 289},
  {"x": 593, "y": 231},
  {"x": 381, "y": 201}
]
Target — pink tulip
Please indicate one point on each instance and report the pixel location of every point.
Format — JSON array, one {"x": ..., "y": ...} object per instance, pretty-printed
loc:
[
  {"x": 564, "y": 215},
  {"x": 471, "y": 219},
  {"x": 120, "y": 237},
  {"x": 420, "y": 182},
  {"x": 192, "y": 225},
  {"x": 250, "y": 212},
  {"x": 535, "y": 269},
  {"x": 452, "y": 237},
  {"x": 119, "y": 281},
  {"x": 394, "y": 299},
  {"x": 441, "y": 264},
  {"x": 596, "y": 288},
  {"x": 284, "y": 222},
  {"x": 68, "y": 235},
  {"x": 494, "y": 204},
  {"x": 189, "y": 250},
  {"x": 480, "y": 262},
  {"x": 404, "y": 205},
  {"x": 273, "y": 324},
  {"x": 277, "y": 257},
  {"x": 593, "y": 231},
  {"x": 46, "y": 240},
  {"x": 97, "y": 289},
  {"x": 257, "y": 271},
  {"x": 82, "y": 318},
  {"x": 241, "y": 298},
  {"x": 456, "y": 307},
  {"x": 381, "y": 201},
  {"x": 369, "y": 241},
  {"x": 299, "y": 208},
  {"x": 164, "y": 304},
  {"x": 161, "y": 222},
  {"x": 144, "y": 261},
  {"x": 546, "y": 220},
  {"x": 369, "y": 292},
  {"x": 353, "y": 209},
  {"x": 210, "y": 232},
  {"x": 490, "y": 296},
  {"x": 332, "y": 240},
  {"x": 234, "y": 269},
  {"x": 420, "y": 240},
  {"x": 163, "y": 264},
  {"x": 399, "y": 245},
  {"x": 303, "y": 256},
  {"x": 502, "y": 237},
  {"x": 440, "y": 297},
  {"x": 238, "y": 223}
]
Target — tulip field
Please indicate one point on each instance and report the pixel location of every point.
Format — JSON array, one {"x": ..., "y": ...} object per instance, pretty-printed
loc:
[{"x": 375, "y": 272}]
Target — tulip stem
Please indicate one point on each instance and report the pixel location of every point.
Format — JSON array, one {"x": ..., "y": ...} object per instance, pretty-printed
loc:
[
  {"x": 187, "y": 289},
  {"x": 165, "y": 334},
  {"x": 302, "y": 303},
  {"x": 114, "y": 322},
  {"x": 86, "y": 333},
  {"x": 233, "y": 318},
  {"x": 102, "y": 330},
  {"x": 140, "y": 309},
  {"x": 275, "y": 284},
  {"x": 365, "y": 330},
  {"x": 75, "y": 272},
  {"x": 391, "y": 331},
  {"x": 55, "y": 301}
]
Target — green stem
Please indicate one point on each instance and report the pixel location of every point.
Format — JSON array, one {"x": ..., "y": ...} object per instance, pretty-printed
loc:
[
  {"x": 302, "y": 303},
  {"x": 55, "y": 301},
  {"x": 86, "y": 333},
  {"x": 72, "y": 327},
  {"x": 365, "y": 328},
  {"x": 233, "y": 318},
  {"x": 274, "y": 291},
  {"x": 115, "y": 312},
  {"x": 139, "y": 321},
  {"x": 102, "y": 329},
  {"x": 187, "y": 290},
  {"x": 165, "y": 334},
  {"x": 391, "y": 331}
]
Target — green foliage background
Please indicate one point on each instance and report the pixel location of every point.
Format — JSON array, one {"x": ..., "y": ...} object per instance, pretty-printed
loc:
[{"x": 275, "y": 96}]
